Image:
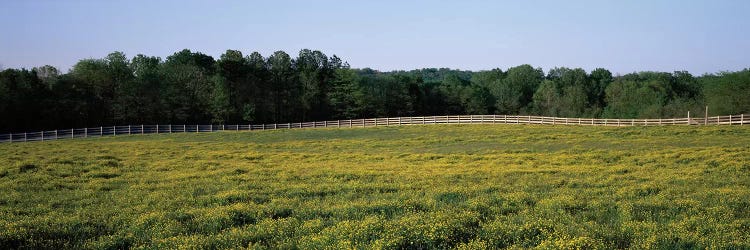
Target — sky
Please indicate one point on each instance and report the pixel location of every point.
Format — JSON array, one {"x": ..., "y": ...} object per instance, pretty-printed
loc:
[{"x": 622, "y": 36}]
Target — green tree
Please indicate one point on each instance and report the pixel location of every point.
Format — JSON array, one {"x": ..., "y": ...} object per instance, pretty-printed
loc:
[
  {"x": 188, "y": 87},
  {"x": 452, "y": 91},
  {"x": 233, "y": 69},
  {"x": 600, "y": 79},
  {"x": 284, "y": 89},
  {"x": 514, "y": 93},
  {"x": 256, "y": 105},
  {"x": 221, "y": 107},
  {"x": 104, "y": 77},
  {"x": 139, "y": 98},
  {"x": 477, "y": 100},
  {"x": 632, "y": 99},
  {"x": 547, "y": 99},
  {"x": 314, "y": 74},
  {"x": 727, "y": 92},
  {"x": 345, "y": 96}
]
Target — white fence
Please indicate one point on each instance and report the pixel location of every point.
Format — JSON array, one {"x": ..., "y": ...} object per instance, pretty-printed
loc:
[{"x": 373, "y": 122}]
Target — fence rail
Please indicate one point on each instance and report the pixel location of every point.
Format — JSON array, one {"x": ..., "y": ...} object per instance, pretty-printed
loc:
[{"x": 372, "y": 122}]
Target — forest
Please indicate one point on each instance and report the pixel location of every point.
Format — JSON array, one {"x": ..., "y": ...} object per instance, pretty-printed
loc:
[{"x": 194, "y": 88}]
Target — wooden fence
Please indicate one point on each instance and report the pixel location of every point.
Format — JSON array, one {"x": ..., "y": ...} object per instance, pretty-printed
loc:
[{"x": 373, "y": 122}]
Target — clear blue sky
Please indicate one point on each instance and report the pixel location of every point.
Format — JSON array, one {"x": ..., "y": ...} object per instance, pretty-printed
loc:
[{"x": 623, "y": 36}]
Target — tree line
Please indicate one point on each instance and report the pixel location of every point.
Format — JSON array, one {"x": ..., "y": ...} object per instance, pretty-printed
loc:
[{"x": 194, "y": 88}]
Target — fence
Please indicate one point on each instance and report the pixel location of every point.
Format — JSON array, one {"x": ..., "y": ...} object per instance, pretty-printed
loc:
[{"x": 373, "y": 122}]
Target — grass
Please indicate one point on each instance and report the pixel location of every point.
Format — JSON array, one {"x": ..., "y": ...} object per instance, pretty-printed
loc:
[{"x": 418, "y": 187}]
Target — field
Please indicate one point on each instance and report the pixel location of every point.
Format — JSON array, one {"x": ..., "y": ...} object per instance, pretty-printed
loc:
[{"x": 419, "y": 187}]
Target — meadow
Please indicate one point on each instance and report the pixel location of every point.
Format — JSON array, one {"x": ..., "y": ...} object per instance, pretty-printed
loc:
[{"x": 415, "y": 187}]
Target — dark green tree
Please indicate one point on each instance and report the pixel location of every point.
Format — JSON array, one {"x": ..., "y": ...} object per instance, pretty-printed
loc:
[{"x": 515, "y": 92}]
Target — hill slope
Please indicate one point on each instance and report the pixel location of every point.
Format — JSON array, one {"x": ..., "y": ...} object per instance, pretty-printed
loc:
[{"x": 472, "y": 186}]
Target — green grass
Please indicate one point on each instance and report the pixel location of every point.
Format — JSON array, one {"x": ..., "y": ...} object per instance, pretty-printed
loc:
[{"x": 420, "y": 187}]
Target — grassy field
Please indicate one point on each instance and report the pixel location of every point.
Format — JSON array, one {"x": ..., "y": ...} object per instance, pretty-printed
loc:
[{"x": 419, "y": 187}]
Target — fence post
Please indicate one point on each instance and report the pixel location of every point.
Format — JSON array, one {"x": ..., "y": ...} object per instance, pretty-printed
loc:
[
  {"x": 197, "y": 129},
  {"x": 114, "y": 130},
  {"x": 274, "y": 126},
  {"x": 157, "y": 128},
  {"x": 85, "y": 132},
  {"x": 72, "y": 133},
  {"x": 142, "y": 129},
  {"x": 705, "y": 119},
  {"x": 24, "y": 136},
  {"x": 55, "y": 134},
  {"x": 11, "y": 137},
  {"x": 101, "y": 131},
  {"x": 730, "y": 119},
  {"x": 717, "y": 120},
  {"x": 42, "y": 135},
  {"x": 170, "y": 128},
  {"x": 742, "y": 119}
]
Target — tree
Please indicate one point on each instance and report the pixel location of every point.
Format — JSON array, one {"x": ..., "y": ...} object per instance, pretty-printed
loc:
[
  {"x": 221, "y": 107},
  {"x": 345, "y": 97},
  {"x": 632, "y": 99},
  {"x": 24, "y": 100},
  {"x": 139, "y": 99},
  {"x": 284, "y": 92},
  {"x": 191, "y": 87},
  {"x": 726, "y": 93},
  {"x": 255, "y": 106},
  {"x": 452, "y": 91},
  {"x": 233, "y": 70},
  {"x": 547, "y": 99},
  {"x": 188, "y": 86},
  {"x": 600, "y": 79},
  {"x": 572, "y": 87},
  {"x": 477, "y": 100},
  {"x": 515, "y": 92},
  {"x": 314, "y": 74},
  {"x": 48, "y": 74}
]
